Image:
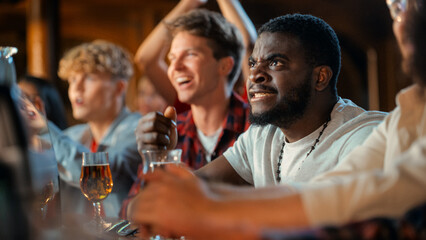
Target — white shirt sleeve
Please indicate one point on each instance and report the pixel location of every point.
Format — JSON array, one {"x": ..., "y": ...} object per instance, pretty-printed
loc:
[
  {"x": 237, "y": 156},
  {"x": 388, "y": 191}
]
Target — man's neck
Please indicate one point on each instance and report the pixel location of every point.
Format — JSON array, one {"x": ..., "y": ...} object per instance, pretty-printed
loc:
[
  {"x": 209, "y": 117},
  {"x": 100, "y": 127},
  {"x": 315, "y": 116}
]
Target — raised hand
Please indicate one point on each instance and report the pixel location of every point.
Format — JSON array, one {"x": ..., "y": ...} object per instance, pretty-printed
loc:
[
  {"x": 157, "y": 131},
  {"x": 170, "y": 113}
]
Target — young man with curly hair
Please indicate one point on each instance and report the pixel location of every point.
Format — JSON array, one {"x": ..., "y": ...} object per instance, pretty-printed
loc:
[{"x": 97, "y": 74}]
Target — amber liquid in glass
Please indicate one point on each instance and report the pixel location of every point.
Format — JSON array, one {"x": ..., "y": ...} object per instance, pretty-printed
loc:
[{"x": 96, "y": 182}]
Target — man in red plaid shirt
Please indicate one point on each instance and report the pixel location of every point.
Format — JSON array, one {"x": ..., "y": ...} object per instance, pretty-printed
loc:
[{"x": 205, "y": 61}]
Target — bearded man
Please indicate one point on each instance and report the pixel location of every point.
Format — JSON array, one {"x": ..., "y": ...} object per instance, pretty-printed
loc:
[{"x": 300, "y": 126}]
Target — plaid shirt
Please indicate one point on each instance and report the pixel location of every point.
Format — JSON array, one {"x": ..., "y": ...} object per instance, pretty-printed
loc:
[
  {"x": 234, "y": 124},
  {"x": 192, "y": 150}
]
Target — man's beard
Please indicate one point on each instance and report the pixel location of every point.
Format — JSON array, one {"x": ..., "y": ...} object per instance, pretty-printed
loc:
[{"x": 288, "y": 110}]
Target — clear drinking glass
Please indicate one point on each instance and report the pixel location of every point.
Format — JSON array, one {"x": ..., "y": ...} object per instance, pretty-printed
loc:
[
  {"x": 155, "y": 159},
  {"x": 96, "y": 182}
]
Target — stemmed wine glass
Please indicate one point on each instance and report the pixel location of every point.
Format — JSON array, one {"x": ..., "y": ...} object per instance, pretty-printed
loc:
[{"x": 96, "y": 182}]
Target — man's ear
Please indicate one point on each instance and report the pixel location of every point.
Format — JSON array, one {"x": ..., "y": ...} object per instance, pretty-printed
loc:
[
  {"x": 121, "y": 87},
  {"x": 322, "y": 75},
  {"x": 225, "y": 65}
]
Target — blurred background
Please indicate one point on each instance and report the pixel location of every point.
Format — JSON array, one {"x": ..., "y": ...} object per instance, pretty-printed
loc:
[{"x": 43, "y": 30}]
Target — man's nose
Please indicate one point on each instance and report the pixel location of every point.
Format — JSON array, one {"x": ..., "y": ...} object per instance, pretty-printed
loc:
[
  {"x": 78, "y": 84},
  {"x": 177, "y": 64},
  {"x": 258, "y": 75}
]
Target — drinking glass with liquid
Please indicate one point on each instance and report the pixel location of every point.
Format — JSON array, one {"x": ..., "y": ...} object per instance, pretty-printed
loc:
[
  {"x": 156, "y": 159},
  {"x": 96, "y": 183}
]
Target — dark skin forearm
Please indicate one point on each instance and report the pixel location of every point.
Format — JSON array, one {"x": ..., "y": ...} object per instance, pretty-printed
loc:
[
  {"x": 220, "y": 171},
  {"x": 176, "y": 195}
]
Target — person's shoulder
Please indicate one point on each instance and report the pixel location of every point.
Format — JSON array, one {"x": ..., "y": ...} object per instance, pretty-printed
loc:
[
  {"x": 134, "y": 115},
  {"x": 77, "y": 129},
  {"x": 346, "y": 106},
  {"x": 128, "y": 118},
  {"x": 257, "y": 130},
  {"x": 411, "y": 98},
  {"x": 349, "y": 111},
  {"x": 130, "y": 115}
]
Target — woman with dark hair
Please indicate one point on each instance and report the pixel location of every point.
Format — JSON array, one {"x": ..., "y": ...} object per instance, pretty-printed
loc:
[{"x": 45, "y": 97}]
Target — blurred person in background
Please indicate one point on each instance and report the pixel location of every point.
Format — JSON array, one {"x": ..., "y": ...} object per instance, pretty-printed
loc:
[
  {"x": 51, "y": 104},
  {"x": 384, "y": 177},
  {"x": 35, "y": 122},
  {"x": 148, "y": 99},
  {"x": 97, "y": 73}
]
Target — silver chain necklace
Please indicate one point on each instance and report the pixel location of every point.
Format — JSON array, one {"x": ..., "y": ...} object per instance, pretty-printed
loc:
[{"x": 280, "y": 158}]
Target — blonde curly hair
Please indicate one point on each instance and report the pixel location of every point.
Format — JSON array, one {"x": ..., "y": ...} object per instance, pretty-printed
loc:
[{"x": 97, "y": 56}]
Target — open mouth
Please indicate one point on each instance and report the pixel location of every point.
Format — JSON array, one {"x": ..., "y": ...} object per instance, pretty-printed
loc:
[
  {"x": 78, "y": 101},
  {"x": 259, "y": 94},
  {"x": 183, "y": 80}
]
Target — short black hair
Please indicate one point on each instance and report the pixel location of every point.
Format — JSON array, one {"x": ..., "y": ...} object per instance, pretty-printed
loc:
[{"x": 317, "y": 38}]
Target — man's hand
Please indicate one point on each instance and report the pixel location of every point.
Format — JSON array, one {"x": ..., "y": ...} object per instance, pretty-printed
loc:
[
  {"x": 168, "y": 203},
  {"x": 157, "y": 131}
]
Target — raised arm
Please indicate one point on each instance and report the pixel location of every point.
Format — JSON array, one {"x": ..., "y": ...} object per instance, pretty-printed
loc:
[
  {"x": 235, "y": 14},
  {"x": 150, "y": 56}
]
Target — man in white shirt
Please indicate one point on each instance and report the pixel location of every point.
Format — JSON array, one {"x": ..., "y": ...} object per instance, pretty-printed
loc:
[
  {"x": 300, "y": 127},
  {"x": 383, "y": 177}
]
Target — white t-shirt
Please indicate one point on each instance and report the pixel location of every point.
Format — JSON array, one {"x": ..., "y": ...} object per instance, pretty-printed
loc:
[
  {"x": 209, "y": 142},
  {"x": 255, "y": 154},
  {"x": 385, "y": 176}
]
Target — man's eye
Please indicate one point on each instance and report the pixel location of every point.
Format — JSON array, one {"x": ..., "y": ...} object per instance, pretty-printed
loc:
[
  {"x": 274, "y": 63},
  {"x": 252, "y": 64}
]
